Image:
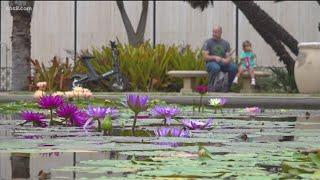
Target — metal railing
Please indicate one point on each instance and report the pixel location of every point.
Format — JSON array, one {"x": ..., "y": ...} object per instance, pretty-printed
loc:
[{"x": 5, "y": 68}]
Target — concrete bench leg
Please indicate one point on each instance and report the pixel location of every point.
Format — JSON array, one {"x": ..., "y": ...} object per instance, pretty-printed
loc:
[
  {"x": 246, "y": 86},
  {"x": 188, "y": 84}
]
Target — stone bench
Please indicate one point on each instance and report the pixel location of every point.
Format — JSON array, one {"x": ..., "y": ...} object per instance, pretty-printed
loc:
[
  {"x": 246, "y": 80},
  {"x": 189, "y": 77}
]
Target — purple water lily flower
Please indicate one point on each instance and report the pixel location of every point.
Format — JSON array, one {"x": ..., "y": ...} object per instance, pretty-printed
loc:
[
  {"x": 111, "y": 112},
  {"x": 96, "y": 112},
  {"x": 66, "y": 110},
  {"x": 171, "y": 131},
  {"x": 137, "y": 103},
  {"x": 177, "y": 132},
  {"x": 50, "y": 102},
  {"x": 165, "y": 112},
  {"x": 162, "y": 131},
  {"x": 195, "y": 124},
  {"x": 79, "y": 118},
  {"x": 35, "y": 118}
]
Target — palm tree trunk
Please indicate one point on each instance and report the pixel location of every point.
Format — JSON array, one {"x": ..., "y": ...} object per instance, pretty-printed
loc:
[
  {"x": 21, "y": 12},
  {"x": 258, "y": 17},
  {"x": 134, "y": 38}
]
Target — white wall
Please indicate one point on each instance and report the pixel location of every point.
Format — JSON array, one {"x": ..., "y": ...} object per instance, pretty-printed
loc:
[{"x": 52, "y": 28}]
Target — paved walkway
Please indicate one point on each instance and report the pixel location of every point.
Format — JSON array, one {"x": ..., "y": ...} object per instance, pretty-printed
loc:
[{"x": 301, "y": 101}]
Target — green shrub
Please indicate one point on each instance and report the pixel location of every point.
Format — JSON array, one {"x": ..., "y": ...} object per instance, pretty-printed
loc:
[
  {"x": 279, "y": 82},
  {"x": 145, "y": 67},
  {"x": 57, "y": 74}
]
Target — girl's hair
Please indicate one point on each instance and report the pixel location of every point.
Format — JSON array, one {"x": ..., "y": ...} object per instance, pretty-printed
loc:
[{"x": 245, "y": 43}]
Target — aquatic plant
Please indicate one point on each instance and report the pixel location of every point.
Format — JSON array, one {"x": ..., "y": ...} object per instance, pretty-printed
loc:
[
  {"x": 58, "y": 93},
  {"x": 217, "y": 103},
  {"x": 137, "y": 103},
  {"x": 204, "y": 153},
  {"x": 171, "y": 132},
  {"x": 38, "y": 94},
  {"x": 79, "y": 118},
  {"x": 106, "y": 125},
  {"x": 112, "y": 112},
  {"x": 36, "y": 118},
  {"x": 96, "y": 113},
  {"x": 196, "y": 124},
  {"x": 50, "y": 102},
  {"x": 202, "y": 90},
  {"x": 165, "y": 112},
  {"x": 252, "y": 110},
  {"x": 66, "y": 111},
  {"x": 42, "y": 85},
  {"x": 79, "y": 92}
]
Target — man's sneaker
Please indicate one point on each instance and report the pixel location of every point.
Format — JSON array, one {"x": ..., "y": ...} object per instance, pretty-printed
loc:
[{"x": 253, "y": 82}]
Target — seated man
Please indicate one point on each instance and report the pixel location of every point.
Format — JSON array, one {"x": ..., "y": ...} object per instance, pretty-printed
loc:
[{"x": 216, "y": 53}]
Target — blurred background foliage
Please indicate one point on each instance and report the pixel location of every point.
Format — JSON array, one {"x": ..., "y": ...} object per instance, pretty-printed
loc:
[{"x": 146, "y": 69}]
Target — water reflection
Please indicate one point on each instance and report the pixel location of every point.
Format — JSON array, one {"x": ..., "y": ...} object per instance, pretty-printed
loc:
[
  {"x": 308, "y": 122},
  {"x": 31, "y": 165}
]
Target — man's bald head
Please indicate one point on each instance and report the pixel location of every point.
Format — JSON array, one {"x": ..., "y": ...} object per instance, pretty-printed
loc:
[{"x": 216, "y": 32}]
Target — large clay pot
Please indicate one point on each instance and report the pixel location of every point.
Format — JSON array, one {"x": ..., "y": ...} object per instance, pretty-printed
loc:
[{"x": 307, "y": 68}]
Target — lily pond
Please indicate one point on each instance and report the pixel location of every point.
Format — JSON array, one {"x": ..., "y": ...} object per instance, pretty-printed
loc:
[{"x": 271, "y": 144}]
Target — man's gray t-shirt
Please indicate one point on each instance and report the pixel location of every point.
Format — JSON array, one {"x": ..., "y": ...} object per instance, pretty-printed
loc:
[{"x": 216, "y": 48}]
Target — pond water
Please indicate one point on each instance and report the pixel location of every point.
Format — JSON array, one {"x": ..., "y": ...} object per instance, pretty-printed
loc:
[{"x": 242, "y": 146}]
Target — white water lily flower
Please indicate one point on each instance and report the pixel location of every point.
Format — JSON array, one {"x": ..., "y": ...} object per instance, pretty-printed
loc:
[{"x": 217, "y": 101}]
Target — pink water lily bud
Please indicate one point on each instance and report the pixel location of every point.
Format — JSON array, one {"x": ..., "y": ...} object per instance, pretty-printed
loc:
[{"x": 252, "y": 110}]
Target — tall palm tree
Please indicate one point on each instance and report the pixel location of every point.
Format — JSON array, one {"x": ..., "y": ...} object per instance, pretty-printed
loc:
[
  {"x": 135, "y": 37},
  {"x": 272, "y": 32},
  {"x": 21, "y": 12}
]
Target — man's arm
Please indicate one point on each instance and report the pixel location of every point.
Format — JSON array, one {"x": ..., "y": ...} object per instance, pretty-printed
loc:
[
  {"x": 227, "y": 58},
  {"x": 208, "y": 57}
]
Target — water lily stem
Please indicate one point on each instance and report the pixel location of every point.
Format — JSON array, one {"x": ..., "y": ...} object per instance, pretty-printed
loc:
[
  {"x": 51, "y": 117},
  {"x": 165, "y": 121},
  {"x": 99, "y": 125},
  {"x": 65, "y": 121},
  {"x": 134, "y": 123},
  {"x": 200, "y": 103}
]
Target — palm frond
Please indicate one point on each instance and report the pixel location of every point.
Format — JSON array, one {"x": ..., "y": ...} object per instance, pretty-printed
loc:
[{"x": 200, "y": 4}]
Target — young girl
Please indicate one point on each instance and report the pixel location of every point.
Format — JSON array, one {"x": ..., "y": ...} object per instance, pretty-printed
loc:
[{"x": 247, "y": 62}]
